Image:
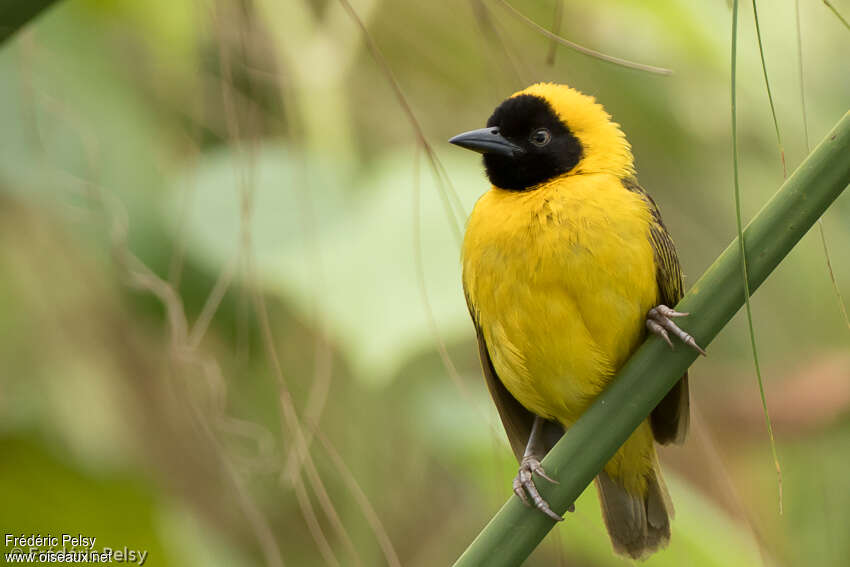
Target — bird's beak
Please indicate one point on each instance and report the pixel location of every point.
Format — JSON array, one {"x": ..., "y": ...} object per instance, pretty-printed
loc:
[{"x": 487, "y": 141}]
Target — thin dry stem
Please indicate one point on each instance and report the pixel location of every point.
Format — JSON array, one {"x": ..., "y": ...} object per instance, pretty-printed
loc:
[{"x": 580, "y": 48}]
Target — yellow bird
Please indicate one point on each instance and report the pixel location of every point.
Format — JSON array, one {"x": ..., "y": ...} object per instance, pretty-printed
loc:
[{"x": 566, "y": 265}]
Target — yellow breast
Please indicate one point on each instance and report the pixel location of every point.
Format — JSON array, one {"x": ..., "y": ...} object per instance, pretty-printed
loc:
[{"x": 560, "y": 279}]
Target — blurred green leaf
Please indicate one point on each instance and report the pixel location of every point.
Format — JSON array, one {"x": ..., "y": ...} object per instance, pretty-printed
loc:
[
  {"x": 15, "y": 14},
  {"x": 42, "y": 494},
  {"x": 359, "y": 273}
]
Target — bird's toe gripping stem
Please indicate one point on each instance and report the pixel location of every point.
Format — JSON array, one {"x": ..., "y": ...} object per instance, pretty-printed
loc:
[{"x": 659, "y": 320}]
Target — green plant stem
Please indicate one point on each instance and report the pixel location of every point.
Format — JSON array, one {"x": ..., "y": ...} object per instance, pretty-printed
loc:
[
  {"x": 741, "y": 242},
  {"x": 837, "y": 14},
  {"x": 649, "y": 374},
  {"x": 769, "y": 93},
  {"x": 15, "y": 14}
]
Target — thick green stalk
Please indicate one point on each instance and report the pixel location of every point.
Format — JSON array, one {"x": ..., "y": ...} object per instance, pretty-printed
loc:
[
  {"x": 14, "y": 14},
  {"x": 650, "y": 373}
]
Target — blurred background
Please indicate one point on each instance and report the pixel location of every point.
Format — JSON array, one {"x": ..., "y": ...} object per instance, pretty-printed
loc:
[{"x": 232, "y": 330}]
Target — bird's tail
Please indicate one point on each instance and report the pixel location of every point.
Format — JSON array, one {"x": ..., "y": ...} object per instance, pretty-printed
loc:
[{"x": 638, "y": 525}]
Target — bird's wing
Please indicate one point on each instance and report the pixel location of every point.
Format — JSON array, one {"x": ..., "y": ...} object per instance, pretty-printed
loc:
[
  {"x": 671, "y": 416},
  {"x": 516, "y": 420}
]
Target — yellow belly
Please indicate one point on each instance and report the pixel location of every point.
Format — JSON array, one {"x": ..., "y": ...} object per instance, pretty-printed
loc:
[{"x": 561, "y": 279}]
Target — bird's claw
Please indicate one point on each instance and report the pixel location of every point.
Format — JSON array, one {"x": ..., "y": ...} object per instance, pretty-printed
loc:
[
  {"x": 524, "y": 486},
  {"x": 659, "y": 321}
]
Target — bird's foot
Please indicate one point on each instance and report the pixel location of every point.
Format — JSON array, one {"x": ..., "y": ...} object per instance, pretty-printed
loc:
[
  {"x": 659, "y": 321},
  {"x": 524, "y": 486}
]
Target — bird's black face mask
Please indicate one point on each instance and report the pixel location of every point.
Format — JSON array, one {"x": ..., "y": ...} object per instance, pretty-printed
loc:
[{"x": 524, "y": 144}]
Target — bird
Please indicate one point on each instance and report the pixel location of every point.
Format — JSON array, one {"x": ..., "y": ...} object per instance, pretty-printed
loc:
[{"x": 566, "y": 266}]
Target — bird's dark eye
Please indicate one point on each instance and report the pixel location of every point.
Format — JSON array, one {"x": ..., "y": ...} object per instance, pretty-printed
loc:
[{"x": 540, "y": 137}]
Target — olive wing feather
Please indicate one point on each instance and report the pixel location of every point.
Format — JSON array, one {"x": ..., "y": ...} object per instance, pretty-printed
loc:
[{"x": 670, "y": 418}]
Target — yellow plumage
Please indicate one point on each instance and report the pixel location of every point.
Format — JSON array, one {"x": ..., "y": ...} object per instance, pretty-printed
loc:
[
  {"x": 559, "y": 278},
  {"x": 575, "y": 278}
]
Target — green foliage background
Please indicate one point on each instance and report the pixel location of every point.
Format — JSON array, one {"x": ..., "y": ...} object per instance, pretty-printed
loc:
[{"x": 154, "y": 154}]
